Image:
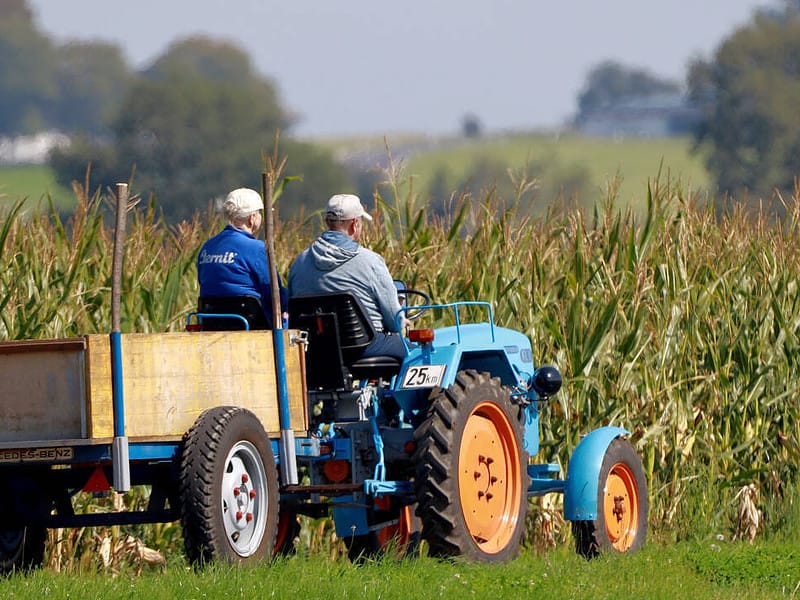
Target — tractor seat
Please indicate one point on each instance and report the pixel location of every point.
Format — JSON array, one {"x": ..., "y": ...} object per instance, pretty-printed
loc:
[
  {"x": 248, "y": 307},
  {"x": 338, "y": 331},
  {"x": 373, "y": 367}
]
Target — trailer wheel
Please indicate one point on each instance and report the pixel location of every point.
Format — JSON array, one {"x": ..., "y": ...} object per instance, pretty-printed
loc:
[
  {"x": 22, "y": 549},
  {"x": 621, "y": 523},
  {"x": 228, "y": 488},
  {"x": 472, "y": 479},
  {"x": 401, "y": 538}
]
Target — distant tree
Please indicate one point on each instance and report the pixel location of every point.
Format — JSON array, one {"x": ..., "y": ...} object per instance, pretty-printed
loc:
[
  {"x": 749, "y": 93},
  {"x": 221, "y": 63},
  {"x": 194, "y": 127},
  {"x": 610, "y": 83},
  {"x": 471, "y": 126},
  {"x": 93, "y": 79},
  {"x": 320, "y": 177},
  {"x": 27, "y": 68},
  {"x": 205, "y": 57},
  {"x": 191, "y": 139},
  {"x": 88, "y": 153}
]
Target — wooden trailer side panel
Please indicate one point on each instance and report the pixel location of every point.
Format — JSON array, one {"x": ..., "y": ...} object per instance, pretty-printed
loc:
[
  {"x": 170, "y": 378},
  {"x": 42, "y": 390}
]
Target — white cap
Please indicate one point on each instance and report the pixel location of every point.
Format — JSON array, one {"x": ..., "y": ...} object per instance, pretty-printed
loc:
[
  {"x": 242, "y": 202},
  {"x": 343, "y": 207}
]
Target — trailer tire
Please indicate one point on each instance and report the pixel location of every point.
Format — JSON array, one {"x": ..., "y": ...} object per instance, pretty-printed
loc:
[
  {"x": 621, "y": 523},
  {"x": 228, "y": 488},
  {"x": 471, "y": 477},
  {"x": 22, "y": 549}
]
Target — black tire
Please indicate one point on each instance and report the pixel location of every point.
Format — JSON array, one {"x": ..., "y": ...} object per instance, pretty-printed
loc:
[
  {"x": 22, "y": 549},
  {"x": 622, "y": 506},
  {"x": 228, "y": 489},
  {"x": 468, "y": 507}
]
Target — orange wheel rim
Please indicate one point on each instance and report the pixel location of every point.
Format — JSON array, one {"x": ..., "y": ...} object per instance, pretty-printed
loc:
[
  {"x": 621, "y": 507},
  {"x": 489, "y": 477}
]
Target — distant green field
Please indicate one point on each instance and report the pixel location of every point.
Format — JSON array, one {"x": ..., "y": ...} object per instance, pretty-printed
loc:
[
  {"x": 633, "y": 162},
  {"x": 34, "y": 182}
]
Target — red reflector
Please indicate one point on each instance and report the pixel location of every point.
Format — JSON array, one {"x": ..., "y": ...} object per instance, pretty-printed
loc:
[
  {"x": 410, "y": 447},
  {"x": 421, "y": 336},
  {"x": 97, "y": 482},
  {"x": 336, "y": 470},
  {"x": 194, "y": 327}
]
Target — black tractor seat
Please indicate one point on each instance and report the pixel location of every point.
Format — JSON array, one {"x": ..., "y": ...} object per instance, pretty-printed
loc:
[
  {"x": 374, "y": 367},
  {"x": 338, "y": 332}
]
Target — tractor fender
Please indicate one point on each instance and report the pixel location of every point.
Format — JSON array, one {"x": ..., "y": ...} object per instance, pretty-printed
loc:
[{"x": 583, "y": 473}]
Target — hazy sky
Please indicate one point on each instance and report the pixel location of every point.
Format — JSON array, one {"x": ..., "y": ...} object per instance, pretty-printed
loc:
[{"x": 377, "y": 67}]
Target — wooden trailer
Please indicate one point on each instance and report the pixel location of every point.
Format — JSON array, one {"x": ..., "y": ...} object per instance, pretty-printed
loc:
[
  {"x": 198, "y": 407},
  {"x": 60, "y": 391}
]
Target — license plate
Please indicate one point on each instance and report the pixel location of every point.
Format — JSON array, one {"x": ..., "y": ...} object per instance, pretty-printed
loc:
[{"x": 423, "y": 376}]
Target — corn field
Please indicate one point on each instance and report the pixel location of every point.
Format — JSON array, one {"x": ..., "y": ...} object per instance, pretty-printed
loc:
[{"x": 682, "y": 325}]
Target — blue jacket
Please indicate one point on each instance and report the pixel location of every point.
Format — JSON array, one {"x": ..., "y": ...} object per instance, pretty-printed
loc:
[
  {"x": 334, "y": 263},
  {"x": 234, "y": 263}
]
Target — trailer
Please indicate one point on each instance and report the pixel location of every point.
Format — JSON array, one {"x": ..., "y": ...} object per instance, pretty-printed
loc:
[{"x": 238, "y": 432}]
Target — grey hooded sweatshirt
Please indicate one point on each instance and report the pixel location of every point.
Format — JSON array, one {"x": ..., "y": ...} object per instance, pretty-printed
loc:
[{"x": 335, "y": 263}]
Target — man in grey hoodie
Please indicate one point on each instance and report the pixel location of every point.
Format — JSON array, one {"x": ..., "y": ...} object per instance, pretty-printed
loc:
[{"x": 336, "y": 262}]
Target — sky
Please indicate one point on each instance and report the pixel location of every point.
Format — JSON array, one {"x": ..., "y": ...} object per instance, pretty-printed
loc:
[{"x": 371, "y": 67}]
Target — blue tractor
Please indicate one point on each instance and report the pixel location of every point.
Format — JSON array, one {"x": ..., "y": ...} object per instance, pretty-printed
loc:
[{"x": 437, "y": 448}]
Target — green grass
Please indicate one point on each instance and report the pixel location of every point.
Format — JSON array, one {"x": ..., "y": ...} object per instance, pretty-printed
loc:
[
  {"x": 33, "y": 182},
  {"x": 701, "y": 570}
]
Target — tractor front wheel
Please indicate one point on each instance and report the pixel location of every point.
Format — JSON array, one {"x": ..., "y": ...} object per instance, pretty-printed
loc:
[
  {"x": 621, "y": 523},
  {"x": 472, "y": 478},
  {"x": 228, "y": 488}
]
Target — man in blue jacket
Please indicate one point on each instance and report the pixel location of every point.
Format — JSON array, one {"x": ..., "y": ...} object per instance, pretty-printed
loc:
[
  {"x": 234, "y": 262},
  {"x": 336, "y": 262}
]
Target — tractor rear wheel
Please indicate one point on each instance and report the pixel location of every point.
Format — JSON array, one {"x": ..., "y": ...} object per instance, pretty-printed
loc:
[
  {"x": 228, "y": 488},
  {"x": 22, "y": 549},
  {"x": 621, "y": 523},
  {"x": 472, "y": 479}
]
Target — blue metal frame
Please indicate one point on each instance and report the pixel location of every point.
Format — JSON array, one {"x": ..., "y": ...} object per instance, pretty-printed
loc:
[
  {"x": 349, "y": 517},
  {"x": 94, "y": 453},
  {"x": 200, "y": 316},
  {"x": 542, "y": 481}
]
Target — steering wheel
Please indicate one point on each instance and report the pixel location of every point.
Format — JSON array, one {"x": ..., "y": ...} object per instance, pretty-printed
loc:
[{"x": 413, "y": 313}]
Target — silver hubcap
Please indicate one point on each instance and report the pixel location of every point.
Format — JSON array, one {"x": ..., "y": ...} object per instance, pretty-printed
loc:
[{"x": 244, "y": 498}]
